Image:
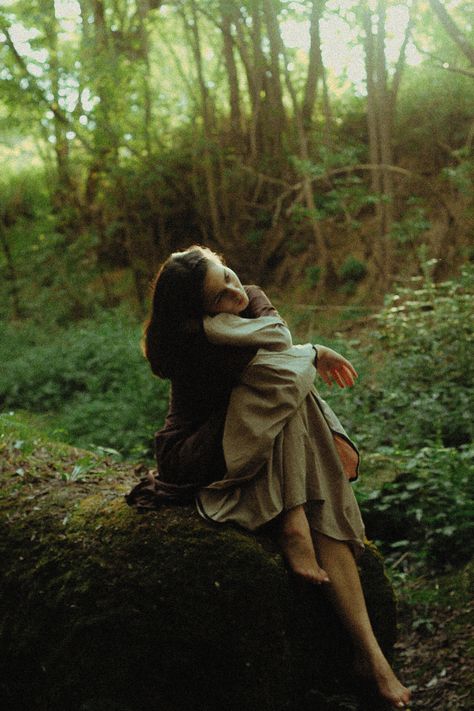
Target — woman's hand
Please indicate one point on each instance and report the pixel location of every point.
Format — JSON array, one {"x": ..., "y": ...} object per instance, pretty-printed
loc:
[{"x": 333, "y": 367}]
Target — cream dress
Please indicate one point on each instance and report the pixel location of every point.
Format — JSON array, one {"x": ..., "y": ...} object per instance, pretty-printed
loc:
[{"x": 283, "y": 445}]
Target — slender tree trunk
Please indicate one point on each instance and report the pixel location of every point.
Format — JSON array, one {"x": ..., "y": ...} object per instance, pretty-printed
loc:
[
  {"x": 316, "y": 73},
  {"x": 328, "y": 131},
  {"x": 12, "y": 276},
  {"x": 65, "y": 190},
  {"x": 324, "y": 257},
  {"x": 232, "y": 76},
  {"x": 97, "y": 44},
  {"x": 378, "y": 132},
  {"x": 385, "y": 120},
  {"x": 381, "y": 107},
  {"x": 145, "y": 53},
  {"x": 208, "y": 132},
  {"x": 275, "y": 108},
  {"x": 314, "y": 65},
  {"x": 259, "y": 68},
  {"x": 254, "y": 84},
  {"x": 453, "y": 30}
]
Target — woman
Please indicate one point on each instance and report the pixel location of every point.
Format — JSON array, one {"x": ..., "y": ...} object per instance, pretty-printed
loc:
[{"x": 249, "y": 438}]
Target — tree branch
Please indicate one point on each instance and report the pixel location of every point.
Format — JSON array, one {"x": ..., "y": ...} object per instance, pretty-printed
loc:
[
  {"x": 441, "y": 64},
  {"x": 40, "y": 94},
  {"x": 453, "y": 30}
]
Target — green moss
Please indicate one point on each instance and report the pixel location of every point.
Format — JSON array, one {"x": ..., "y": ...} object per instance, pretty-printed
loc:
[{"x": 104, "y": 608}]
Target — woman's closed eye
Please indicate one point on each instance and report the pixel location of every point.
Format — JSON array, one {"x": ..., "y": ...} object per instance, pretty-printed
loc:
[{"x": 221, "y": 293}]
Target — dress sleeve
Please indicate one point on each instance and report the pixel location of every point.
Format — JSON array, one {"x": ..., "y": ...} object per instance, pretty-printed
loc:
[{"x": 268, "y": 332}]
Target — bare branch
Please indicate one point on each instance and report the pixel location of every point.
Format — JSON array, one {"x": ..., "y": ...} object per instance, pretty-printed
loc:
[
  {"x": 453, "y": 30},
  {"x": 442, "y": 64}
]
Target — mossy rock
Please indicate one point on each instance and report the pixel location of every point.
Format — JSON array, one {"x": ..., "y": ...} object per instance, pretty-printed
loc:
[{"x": 104, "y": 609}]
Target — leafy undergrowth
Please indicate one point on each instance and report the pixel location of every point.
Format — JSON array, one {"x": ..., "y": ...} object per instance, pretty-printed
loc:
[
  {"x": 435, "y": 650},
  {"x": 426, "y": 512},
  {"x": 423, "y": 520},
  {"x": 26, "y": 450}
]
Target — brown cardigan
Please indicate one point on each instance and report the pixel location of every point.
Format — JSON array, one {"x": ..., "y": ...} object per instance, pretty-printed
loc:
[{"x": 189, "y": 446}]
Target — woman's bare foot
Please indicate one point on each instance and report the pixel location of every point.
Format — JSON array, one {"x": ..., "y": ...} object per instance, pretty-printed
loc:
[
  {"x": 297, "y": 546},
  {"x": 379, "y": 670}
]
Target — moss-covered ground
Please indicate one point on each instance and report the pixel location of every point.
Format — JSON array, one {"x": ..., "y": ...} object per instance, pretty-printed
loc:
[
  {"x": 103, "y": 608},
  {"x": 87, "y": 583}
]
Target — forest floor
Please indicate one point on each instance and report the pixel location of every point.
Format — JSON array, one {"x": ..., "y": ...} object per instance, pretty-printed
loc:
[{"x": 435, "y": 650}]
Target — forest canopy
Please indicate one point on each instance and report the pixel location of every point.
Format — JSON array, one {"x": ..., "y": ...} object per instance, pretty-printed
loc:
[{"x": 315, "y": 143}]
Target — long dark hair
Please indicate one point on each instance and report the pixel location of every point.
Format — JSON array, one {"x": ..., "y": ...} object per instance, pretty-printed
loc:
[{"x": 177, "y": 308}]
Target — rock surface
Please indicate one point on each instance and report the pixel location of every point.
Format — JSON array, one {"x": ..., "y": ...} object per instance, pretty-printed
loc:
[{"x": 104, "y": 609}]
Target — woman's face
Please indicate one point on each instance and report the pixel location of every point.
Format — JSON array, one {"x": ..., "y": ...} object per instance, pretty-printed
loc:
[{"x": 223, "y": 292}]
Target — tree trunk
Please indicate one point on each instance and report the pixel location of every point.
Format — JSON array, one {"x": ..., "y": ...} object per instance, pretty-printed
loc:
[
  {"x": 232, "y": 76},
  {"x": 453, "y": 30},
  {"x": 314, "y": 65},
  {"x": 324, "y": 256},
  {"x": 102, "y": 62},
  {"x": 385, "y": 121},
  {"x": 208, "y": 127},
  {"x": 11, "y": 276},
  {"x": 254, "y": 84},
  {"x": 145, "y": 55},
  {"x": 259, "y": 68},
  {"x": 381, "y": 108},
  {"x": 275, "y": 108},
  {"x": 64, "y": 193},
  {"x": 380, "y": 117}
]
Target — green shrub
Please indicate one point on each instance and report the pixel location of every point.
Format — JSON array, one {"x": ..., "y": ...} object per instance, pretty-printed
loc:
[
  {"x": 91, "y": 378},
  {"x": 428, "y": 333},
  {"x": 312, "y": 276},
  {"x": 416, "y": 385},
  {"x": 352, "y": 270},
  {"x": 428, "y": 511},
  {"x": 414, "y": 222}
]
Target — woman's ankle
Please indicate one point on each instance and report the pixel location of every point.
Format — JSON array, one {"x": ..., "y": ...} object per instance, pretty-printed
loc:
[{"x": 294, "y": 521}]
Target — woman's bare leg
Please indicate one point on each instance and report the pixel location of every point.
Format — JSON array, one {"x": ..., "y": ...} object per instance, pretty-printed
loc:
[
  {"x": 298, "y": 547},
  {"x": 346, "y": 594}
]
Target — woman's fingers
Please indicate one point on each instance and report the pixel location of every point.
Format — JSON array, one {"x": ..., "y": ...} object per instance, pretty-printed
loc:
[
  {"x": 351, "y": 368},
  {"x": 342, "y": 376},
  {"x": 335, "y": 368},
  {"x": 338, "y": 378},
  {"x": 349, "y": 374},
  {"x": 326, "y": 377}
]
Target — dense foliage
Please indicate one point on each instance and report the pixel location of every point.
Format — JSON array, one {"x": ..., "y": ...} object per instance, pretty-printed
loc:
[
  {"x": 417, "y": 374},
  {"x": 427, "y": 513},
  {"x": 91, "y": 379},
  {"x": 413, "y": 404},
  {"x": 415, "y": 390}
]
